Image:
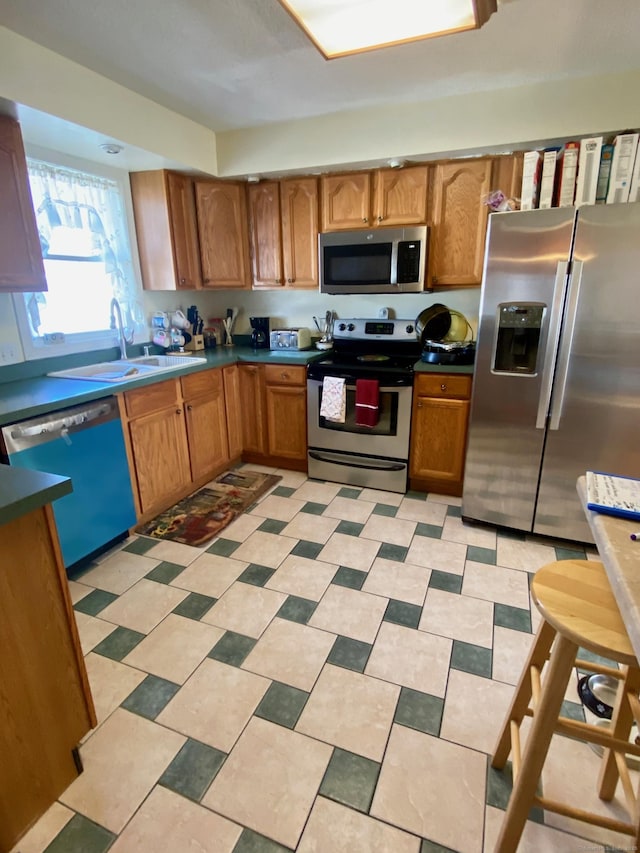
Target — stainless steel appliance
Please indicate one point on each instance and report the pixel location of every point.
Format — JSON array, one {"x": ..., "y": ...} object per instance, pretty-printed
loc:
[
  {"x": 557, "y": 380},
  {"x": 384, "y": 260},
  {"x": 292, "y": 339},
  {"x": 260, "y": 333},
  {"x": 85, "y": 443},
  {"x": 377, "y": 457}
]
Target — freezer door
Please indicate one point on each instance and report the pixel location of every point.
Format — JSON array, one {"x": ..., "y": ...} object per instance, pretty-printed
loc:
[
  {"x": 524, "y": 283},
  {"x": 595, "y": 412}
]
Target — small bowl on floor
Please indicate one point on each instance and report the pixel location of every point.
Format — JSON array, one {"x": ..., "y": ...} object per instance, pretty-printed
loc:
[{"x": 598, "y": 694}]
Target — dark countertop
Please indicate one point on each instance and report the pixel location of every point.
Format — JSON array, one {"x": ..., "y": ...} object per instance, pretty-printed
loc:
[
  {"x": 425, "y": 367},
  {"x": 22, "y": 491}
]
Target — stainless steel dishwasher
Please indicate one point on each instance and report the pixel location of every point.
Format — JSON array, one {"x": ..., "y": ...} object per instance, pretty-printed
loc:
[{"x": 85, "y": 443}]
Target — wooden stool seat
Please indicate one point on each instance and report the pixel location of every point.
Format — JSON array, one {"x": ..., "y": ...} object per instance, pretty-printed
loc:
[{"x": 579, "y": 611}]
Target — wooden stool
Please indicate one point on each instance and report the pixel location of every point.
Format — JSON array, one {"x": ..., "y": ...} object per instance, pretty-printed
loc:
[{"x": 579, "y": 610}]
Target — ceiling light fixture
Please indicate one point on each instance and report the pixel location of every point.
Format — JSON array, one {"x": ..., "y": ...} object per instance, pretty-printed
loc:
[
  {"x": 111, "y": 147},
  {"x": 343, "y": 27}
]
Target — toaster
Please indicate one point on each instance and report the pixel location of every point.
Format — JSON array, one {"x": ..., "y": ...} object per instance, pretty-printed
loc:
[{"x": 291, "y": 339}]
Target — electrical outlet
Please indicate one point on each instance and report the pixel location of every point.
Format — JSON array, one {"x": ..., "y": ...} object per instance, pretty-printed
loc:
[{"x": 8, "y": 354}]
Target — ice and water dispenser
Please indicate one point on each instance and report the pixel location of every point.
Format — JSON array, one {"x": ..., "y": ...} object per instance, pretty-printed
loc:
[{"x": 518, "y": 337}]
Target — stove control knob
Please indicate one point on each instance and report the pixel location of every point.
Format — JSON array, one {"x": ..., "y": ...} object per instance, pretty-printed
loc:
[
  {"x": 409, "y": 329},
  {"x": 342, "y": 327},
  {"x": 351, "y": 327}
]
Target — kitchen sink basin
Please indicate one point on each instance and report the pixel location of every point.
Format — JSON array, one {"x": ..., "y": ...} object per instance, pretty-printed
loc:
[{"x": 129, "y": 370}]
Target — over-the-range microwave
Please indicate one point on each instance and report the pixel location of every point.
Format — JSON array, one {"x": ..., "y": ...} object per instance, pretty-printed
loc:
[{"x": 380, "y": 260}]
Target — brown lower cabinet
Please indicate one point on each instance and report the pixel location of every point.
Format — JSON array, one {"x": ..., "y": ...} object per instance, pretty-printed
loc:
[
  {"x": 176, "y": 435},
  {"x": 44, "y": 691},
  {"x": 439, "y": 432}
]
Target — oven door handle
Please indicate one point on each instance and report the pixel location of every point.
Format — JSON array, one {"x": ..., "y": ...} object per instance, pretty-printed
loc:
[{"x": 387, "y": 466}]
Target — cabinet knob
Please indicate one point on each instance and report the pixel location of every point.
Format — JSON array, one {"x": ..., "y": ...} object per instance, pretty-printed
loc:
[
  {"x": 364, "y": 219},
  {"x": 284, "y": 376},
  {"x": 380, "y": 218},
  {"x": 290, "y": 280},
  {"x": 206, "y": 280},
  {"x": 189, "y": 407},
  {"x": 443, "y": 387},
  {"x": 178, "y": 411},
  {"x": 434, "y": 279},
  {"x": 419, "y": 406}
]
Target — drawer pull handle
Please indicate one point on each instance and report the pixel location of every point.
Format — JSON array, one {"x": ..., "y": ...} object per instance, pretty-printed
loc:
[
  {"x": 284, "y": 375},
  {"x": 189, "y": 407},
  {"x": 178, "y": 411},
  {"x": 443, "y": 387}
]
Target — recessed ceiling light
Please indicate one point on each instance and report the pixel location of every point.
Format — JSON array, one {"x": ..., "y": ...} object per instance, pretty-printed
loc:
[
  {"x": 342, "y": 27},
  {"x": 111, "y": 147}
]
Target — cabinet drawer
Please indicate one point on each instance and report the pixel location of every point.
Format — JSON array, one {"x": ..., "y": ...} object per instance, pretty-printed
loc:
[
  {"x": 284, "y": 374},
  {"x": 205, "y": 382},
  {"x": 152, "y": 398},
  {"x": 443, "y": 385}
]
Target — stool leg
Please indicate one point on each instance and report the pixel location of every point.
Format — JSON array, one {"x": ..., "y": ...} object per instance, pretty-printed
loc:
[
  {"x": 538, "y": 654},
  {"x": 546, "y": 714},
  {"x": 621, "y": 723}
]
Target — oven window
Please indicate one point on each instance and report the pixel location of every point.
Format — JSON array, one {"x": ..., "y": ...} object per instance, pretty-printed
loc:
[
  {"x": 368, "y": 264},
  {"x": 387, "y": 420}
]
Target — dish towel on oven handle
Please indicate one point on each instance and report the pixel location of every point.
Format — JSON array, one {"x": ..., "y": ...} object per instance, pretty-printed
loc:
[
  {"x": 367, "y": 402},
  {"x": 334, "y": 399}
]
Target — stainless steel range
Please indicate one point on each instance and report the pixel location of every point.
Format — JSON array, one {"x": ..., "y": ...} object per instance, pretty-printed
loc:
[{"x": 359, "y": 404}]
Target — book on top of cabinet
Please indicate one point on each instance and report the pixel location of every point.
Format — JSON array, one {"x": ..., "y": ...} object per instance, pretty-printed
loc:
[
  {"x": 625, "y": 146},
  {"x": 531, "y": 169},
  {"x": 604, "y": 174},
  {"x": 548, "y": 181},
  {"x": 634, "y": 192},
  {"x": 588, "y": 169},
  {"x": 568, "y": 169}
]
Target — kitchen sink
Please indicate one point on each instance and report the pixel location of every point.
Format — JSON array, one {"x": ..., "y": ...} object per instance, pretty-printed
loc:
[{"x": 128, "y": 370}]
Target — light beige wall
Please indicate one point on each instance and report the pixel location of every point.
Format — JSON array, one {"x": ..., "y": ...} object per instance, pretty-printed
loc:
[
  {"x": 517, "y": 117},
  {"x": 9, "y": 337}
]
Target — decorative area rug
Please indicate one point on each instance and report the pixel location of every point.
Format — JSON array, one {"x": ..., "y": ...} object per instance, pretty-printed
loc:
[{"x": 201, "y": 516}]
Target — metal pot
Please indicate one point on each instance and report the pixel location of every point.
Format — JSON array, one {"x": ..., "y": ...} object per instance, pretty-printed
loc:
[{"x": 433, "y": 323}]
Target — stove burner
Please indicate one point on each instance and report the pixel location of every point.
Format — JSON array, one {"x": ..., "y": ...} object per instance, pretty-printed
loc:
[{"x": 373, "y": 358}]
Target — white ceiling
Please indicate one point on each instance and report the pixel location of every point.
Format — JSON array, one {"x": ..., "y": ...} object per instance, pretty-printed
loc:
[{"x": 230, "y": 64}]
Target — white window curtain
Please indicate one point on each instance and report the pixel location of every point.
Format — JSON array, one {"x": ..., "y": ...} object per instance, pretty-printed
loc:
[{"x": 85, "y": 246}]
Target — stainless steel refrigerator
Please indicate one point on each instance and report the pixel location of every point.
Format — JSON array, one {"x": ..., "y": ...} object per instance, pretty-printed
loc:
[{"x": 557, "y": 375}]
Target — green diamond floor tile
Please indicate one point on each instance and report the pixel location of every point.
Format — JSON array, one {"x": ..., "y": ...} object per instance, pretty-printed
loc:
[
  {"x": 282, "y": 704},
  {"x": 454, "y": 511},
  {"x": 386, "y": 510},
  {"x": 272, "y": 525},
  {"x": 252, "y": 842},
  {"x": 471, "y": 658},
  {"x": 119, "y": 643},
  {"x": 307, "y": 549},
  {"x": 506, "y": 616},
  {"x": 350, "y": 528},
  {"x": 94, "y": 602},
  {"x": 570, "y": 553},
  {"x": 352, "y": 578},
  {"x": 350, "y": 779},
  {"x": 165, "y": 572},
  {"x": 402, "y": 613},
  {"x": 573, "y": 710},
  {"x": 419, "y": 711},
  {"x": 194, "y": 606},
  {"x": 445, "y": 581},
  {"x": 349, "y": 493},
  {"x": 283, "y": 491},
  {"x": 313, "y": 508},
  {"x": 499, "y": 786},
  {"x": 223, "y": 547},
  {"x": 429, "y": 531},
  {"x": 193, "y": 769},
  {"x": 140, "y": 545},
  {"x": 415, "y": 496},
  {"x": 256, "y": 575},
  {"x": 297, "y": 609},
  {"x": 350, "y": 654},
  {"x": 150, "y": 696},
  {"x": 81, "y": 835},
  {"x": 393, "y": 552},
  {"x": 232, "y": 648},
  {"x": 585, "y": 654},
  {"x": 431, "y": 847},
  {"x": 481, "y": 555}
]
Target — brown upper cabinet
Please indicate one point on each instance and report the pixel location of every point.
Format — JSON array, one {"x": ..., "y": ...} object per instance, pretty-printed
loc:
[
  {"x": 387, "y": 197},
  {"x": 283, "y": 233},
  {"x": 164, "y": 209},
  {"x": 21, "y": 266},
  {"x": 222, "y": 227}
]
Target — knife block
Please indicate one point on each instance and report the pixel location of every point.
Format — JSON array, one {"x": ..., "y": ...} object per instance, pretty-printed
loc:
[{"x": 196, "y": 343}]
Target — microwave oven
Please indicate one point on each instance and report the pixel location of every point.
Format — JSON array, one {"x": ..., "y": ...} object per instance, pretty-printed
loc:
[{"x": 382, "y": 260}]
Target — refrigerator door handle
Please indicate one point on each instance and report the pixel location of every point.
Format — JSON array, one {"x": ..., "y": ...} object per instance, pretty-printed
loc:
[
  {"x": 552, "y": 344},
  {"x": 566, "y": 345}
]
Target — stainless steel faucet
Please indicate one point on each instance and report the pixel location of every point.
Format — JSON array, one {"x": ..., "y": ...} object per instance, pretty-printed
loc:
[{"x": 116, "y": 323}]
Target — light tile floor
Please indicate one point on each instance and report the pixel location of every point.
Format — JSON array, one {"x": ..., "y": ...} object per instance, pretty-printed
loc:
[{"x": 328, "y": 676}]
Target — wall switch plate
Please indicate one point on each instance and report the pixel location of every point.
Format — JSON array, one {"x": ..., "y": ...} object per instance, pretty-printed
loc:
[{"x": 9, "y": 354}]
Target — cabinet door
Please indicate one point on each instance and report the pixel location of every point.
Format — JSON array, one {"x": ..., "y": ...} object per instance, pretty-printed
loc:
[
  {"x": 439, "y": 434},
  {"x": 264, "y": 234},
  {"x": 287, "y": 421},
  {"x": 459, "y": 219},
  {"x": 161, "y": 457},
  {"x": 346, "y": 201},
  {"x": 207, "y": 434},
  {"x": 252, "y": 407},
  {"x": 222, "y": 229},
  {"x": 231, "y": 376},
  {"x": 299, "y": 201},
  {"x": 21, "y": 267},
  {"x": 182, "y": 209},
  {"x": 401, "y": 196}
]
